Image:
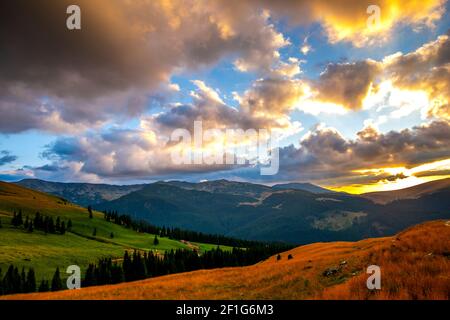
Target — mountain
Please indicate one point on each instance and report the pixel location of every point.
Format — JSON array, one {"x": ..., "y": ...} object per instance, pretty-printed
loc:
[
  {"x": 414, "y": 267},
  {"x": 414, "y": 192},
  {"x": 302, "y": 186},
  {"x": 83, "y": 194},
  {"x": 258, "y": 212},
  {"x": 224, "y": 186},
  {"x": 294, "y": 216}
]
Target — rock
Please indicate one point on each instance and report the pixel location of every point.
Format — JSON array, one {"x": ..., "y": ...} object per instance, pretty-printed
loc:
[{"x": 330, "y": 271}]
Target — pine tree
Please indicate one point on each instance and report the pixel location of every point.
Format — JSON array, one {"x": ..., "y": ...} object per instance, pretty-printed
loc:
[
  {"x": 63, "y": 228},
  {"x": 51, "y": 225},
  {"x": 94, "y": 233},
  {"x": 30, "y": 227},
  {"x": 56, "y": 281},
  {"x": 69, "y": 225},
  {"x": 1, "y": 283},
  {"x": 14, "y": 219},
  {"x": 155, "y": 241},
  {"x": 44, "y": 287},
  {"x": 31, "y": 281},
  {"x": 23, "y": 281},
  {"x": 19, "y": 218},
  {"x": 91, "y": 215},
  {"x": 58, "y": 225},
  {"x": 111, "y": 235}
]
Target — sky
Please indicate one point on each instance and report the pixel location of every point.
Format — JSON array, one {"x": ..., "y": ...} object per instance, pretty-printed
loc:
[{"x": 359, "y": 101}]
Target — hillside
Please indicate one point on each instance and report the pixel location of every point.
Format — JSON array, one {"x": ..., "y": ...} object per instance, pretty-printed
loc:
[
  {"x": 45, "y": 252},
  {"x": 83, "y": 194},
  {"x": 258, "y": 212},
  {"x": 414, "y": 265},
  {"x": 414, "y": 192},
  {"x": 294, "y": 216}
]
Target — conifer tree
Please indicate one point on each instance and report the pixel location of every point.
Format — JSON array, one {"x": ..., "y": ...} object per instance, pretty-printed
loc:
[
  {"x": 56, "y": 281},
  {"x": 91, "y": 215},
  {"x": 31, "y": 281},
  {"x": 23, "y": 281},
  {"x": 94, "y": 233},
  {"x": 1, "y": 282},
  {"x": 111, "y": 235},
  {"x": 14, "y": 219},
  {"x": 69, "y": 225},
  {"x": 19, "y": 218},
  {"x": 58, "y": 225},
  {"x": 44, "y": 287},
  {"x": 155, "y": 241},
  {"x": 62, "y": 229}
]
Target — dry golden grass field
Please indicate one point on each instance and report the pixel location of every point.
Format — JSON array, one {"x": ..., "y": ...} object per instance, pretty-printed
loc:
[{"x": 415, "y": 264}]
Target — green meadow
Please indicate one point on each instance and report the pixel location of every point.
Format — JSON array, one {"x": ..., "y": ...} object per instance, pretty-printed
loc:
[{"x": 46, "y": 252}]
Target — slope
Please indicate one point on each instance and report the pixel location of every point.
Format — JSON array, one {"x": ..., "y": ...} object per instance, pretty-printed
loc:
[
  {"x": 414, "y": 264},
  {"x": 45, "y": 252}
]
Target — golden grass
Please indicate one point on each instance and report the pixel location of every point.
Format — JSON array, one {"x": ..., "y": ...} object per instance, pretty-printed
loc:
[{"x": 408, "y": 272}]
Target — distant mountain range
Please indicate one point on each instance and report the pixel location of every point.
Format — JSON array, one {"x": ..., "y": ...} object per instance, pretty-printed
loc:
[
  {"x": 83, "y": 194},
  {"x": 252, "y": 211},
  {"x": 414, "y": 192},
  {"x": 301, "y": 186}
]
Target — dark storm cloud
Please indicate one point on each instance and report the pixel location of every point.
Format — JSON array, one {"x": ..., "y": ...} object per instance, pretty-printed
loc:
[{"x": 60, "y": 80}]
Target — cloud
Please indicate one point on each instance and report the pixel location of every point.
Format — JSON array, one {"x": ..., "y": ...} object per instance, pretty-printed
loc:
[
  {"x": 59, "y": 80},
  {"x": 6, "y": 157},
  {"x": 265, "y": 105},
  {"x": 347, "y": 21},
  {"x": 64, "y": 81},
  {"x": 427, "y": 69},
  {"x": 325, "y": 154},
  {"x": 346, "y": 84},
  {"x": 408, "y": 82}
]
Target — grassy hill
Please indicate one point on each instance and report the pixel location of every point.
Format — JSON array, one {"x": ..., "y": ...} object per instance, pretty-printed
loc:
[
  {"x": 45, "y": 252},
  {"x": 414, "y": 264}
]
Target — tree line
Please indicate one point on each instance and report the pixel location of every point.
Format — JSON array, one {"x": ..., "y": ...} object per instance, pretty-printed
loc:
[
  {"x": 176, "y": 233},
  {"x": 25, "y": 282},
  {"x": 138, "y": 266},
  {"x": 41, "y": 222}
]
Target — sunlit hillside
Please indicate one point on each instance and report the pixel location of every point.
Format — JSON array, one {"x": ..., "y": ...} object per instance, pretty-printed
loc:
[{"x": 414, "y": 264}]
